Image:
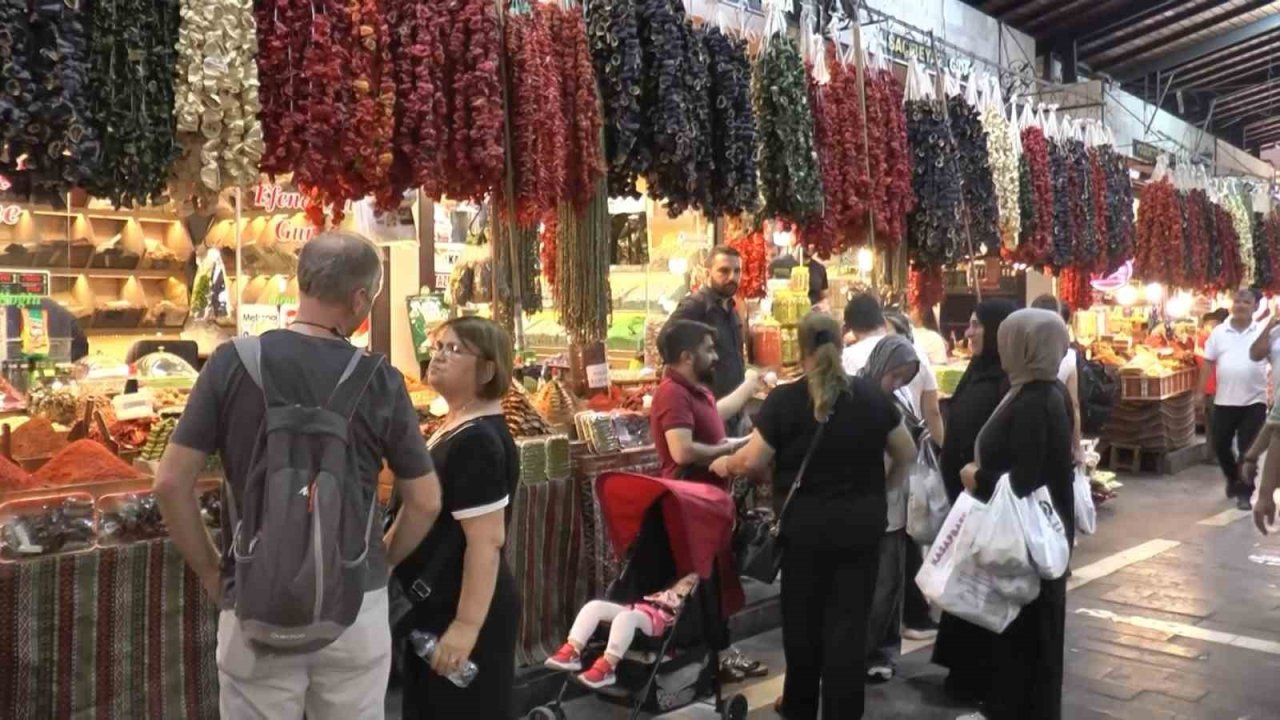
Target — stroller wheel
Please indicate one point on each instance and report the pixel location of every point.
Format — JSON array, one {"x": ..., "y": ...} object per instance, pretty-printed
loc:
[
  {"x": 735, "y": 708},
  {"x": 546, "y": 712}
]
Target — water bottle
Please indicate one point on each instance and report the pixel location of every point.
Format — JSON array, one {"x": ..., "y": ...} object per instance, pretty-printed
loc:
[{"x": 424, "y": 645}]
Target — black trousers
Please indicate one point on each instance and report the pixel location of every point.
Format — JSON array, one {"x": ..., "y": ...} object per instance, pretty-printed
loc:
[
  {"x": 1240, "y": 424},
  {"x": 915, "y": 609},
  {"x": 826, "y": 598}
]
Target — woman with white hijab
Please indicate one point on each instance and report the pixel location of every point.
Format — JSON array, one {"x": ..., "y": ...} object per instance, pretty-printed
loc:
[{"x": 1029, "y": 438}]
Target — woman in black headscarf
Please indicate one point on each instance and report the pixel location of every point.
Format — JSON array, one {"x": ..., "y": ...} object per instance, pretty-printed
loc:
[{"x": 963, "y": 647}]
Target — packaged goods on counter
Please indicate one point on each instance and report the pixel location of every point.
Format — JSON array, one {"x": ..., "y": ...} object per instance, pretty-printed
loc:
[
  {"x": 129, "y": 517},
  {"x": 85, "y": 461},
  {"x": 44, "y": 526}
]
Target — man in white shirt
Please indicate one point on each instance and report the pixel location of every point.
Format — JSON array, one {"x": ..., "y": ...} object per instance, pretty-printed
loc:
[{"x": 1240, "y": 399}]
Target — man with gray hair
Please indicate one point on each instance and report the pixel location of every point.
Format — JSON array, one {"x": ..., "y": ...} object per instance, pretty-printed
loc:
[{"x": 303, "y": 367}]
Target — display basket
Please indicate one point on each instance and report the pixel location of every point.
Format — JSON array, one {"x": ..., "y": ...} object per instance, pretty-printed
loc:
[{"x": 1141, "y": 387}]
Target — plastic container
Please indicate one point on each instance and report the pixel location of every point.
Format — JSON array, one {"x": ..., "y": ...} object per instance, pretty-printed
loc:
[
  {"x": 98, "y": 374},
  {"x": 164, "y": 369},
  {"x": 129, "y": 517},
  {"x": 55, "y": 524},
  {"x": 766, "y": 343}
]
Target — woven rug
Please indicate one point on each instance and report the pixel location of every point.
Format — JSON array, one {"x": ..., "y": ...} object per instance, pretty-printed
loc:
[{"x": 117, "y": 633}]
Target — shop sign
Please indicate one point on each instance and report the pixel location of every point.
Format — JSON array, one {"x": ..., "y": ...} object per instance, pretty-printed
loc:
[
  {"x": 4, "y": 183},
  {"x": 447, "y": 255},
  {"x": 256, "y": 319},
  {"x": 289, "y": 231},
  {"x": 907, "y": 49},
  {"x": 10, "y": 214},
  {"x": 23, "y": 282},
  {"x": 271, "y": 197},
  {"x": 598, "y": 376},
  {"x": 1146, "y": 152}
]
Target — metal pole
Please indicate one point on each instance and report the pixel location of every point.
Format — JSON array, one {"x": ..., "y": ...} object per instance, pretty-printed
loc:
[{"x": 509, "y": 185}]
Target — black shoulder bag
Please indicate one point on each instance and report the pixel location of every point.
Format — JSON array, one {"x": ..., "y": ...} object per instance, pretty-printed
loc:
[{"x": 761, "y": 554}]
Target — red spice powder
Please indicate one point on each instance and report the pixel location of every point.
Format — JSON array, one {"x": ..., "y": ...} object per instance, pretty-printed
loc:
[
  {"x": 12, "y": 477},
  {"x": 36, "y": 438},
  {"x": 85, "y": 461}
]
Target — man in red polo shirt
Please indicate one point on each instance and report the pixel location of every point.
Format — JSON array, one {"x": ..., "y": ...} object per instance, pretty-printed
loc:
[{"x": 686, "y": 420}]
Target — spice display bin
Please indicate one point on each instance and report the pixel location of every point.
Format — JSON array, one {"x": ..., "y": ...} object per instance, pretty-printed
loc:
[
  {"x": 128, "y": 517},
  {"x": 58, "y": 523}
]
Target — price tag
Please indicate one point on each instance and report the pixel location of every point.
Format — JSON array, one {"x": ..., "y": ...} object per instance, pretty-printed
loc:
[{"x": 598, "y": 376}]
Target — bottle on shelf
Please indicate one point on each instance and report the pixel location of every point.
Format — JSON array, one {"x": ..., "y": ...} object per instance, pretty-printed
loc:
[{"x": 424, "y": 646}]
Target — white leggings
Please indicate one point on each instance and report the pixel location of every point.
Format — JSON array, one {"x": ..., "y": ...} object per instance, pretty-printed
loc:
[{"x": 622, "y": 629}]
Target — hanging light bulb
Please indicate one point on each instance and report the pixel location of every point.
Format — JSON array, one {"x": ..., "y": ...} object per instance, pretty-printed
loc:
[
  {"x": 1153, "y": 293},
  {"x": 1127, "y": 295},
  {"x": 866, "y": 260}
]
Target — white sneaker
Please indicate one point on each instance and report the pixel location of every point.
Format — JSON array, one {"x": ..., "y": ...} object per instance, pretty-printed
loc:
[
  {"x": 920, "y": 634},
  {"x": 972, "y": 716},
  {"x": 881, "y": 673}
]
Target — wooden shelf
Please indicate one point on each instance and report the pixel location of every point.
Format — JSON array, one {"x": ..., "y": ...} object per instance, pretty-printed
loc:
[
  {"x": 166, "y": 333},
  {"x": 145, "y": 215},
  {"x": 113, "y": 273}
]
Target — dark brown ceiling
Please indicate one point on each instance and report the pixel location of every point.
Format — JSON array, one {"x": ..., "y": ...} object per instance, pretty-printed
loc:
[{"x": 1216, "y": 63}]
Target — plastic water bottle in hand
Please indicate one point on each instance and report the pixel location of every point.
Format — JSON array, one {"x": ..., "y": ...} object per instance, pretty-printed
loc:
[{"x": 424, "y": 646}]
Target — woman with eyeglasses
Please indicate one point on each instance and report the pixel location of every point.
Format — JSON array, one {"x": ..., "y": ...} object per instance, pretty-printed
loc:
[{"x": 473, "y": 605}]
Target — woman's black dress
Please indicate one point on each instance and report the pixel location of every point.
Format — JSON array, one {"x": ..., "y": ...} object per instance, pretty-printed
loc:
[
  {"x": 479, "y": 469},
  {"x": 1030, "y": 439}
]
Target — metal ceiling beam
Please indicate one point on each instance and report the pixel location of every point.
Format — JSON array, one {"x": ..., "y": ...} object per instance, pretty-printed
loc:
[
  {"x": 1137, "y": 30},
  {"x": 1133, "y": 13},
  {"x": 1234, "y": 36},
  {"x": 1230, "y": 62},
  {"x": 1265, "y": 139},
  {"x": 1029, "y": 14},
  {"x": 1267, "y": 122},
  {"x": 1250, "y": 93},
  {"x": 1267, "y": 103},
  {"x": 998, "y": 8}
]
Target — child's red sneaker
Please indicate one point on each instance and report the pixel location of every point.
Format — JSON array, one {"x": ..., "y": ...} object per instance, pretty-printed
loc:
[
  {"x": 600, "y": 675},
  {"x": 566, "y": 659}
]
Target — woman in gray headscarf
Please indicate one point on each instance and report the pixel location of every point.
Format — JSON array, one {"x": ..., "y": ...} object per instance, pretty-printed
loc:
[
  {"x": 891, "y": 367},
  {"x": 1029, "y": 437}
]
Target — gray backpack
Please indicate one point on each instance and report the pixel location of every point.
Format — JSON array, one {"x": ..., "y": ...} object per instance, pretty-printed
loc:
[{"x": 302, "y": 537}]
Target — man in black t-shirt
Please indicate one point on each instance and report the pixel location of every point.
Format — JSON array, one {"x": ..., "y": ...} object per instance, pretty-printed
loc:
[{"x": 339, "y": 275}]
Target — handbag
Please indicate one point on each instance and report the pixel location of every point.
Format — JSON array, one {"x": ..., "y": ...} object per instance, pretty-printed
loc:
[{"x": 761, "y": 553}]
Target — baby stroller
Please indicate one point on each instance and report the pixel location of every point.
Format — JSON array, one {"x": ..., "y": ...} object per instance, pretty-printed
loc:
[{"x": 662, "y": 530}]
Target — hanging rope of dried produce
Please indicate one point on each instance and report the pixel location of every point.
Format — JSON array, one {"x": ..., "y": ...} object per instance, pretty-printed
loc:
[
  {"x": 502, "y": 298},
  {"x": 897, "y": 190},
  {"x": 838, "y": 137},
  {"x": 790, "y": 179},
  {"x": 580, "y": 104},
  {"x": 216, "y": 99},
  {"x": 582, "y": 268},
  {"x": 1101, "y": 233},
  {"x": 547, "y": 253},
  {"x": 417, "y": 62},
  {"x": 1158, "y": 247},
  {"x": 1231, "y": 270},
  {"x": 317, "y": 171},
  {"x": 130, "y": 87},
  {"x": 1121, "y": 233},
  {"x": 537, "y": 129},
  {"x": 934, "y": 232},
  {"x": 283, "y": 34},
  {"x": 1035, "y": 198},
  {"x": 369, "y": 134},
  {"x": 1263, "y": 275},
  {"x": 1004, "y": 173},
  {"x": 734, "y": 189},
  {"x": 614, "y": 38},
  {"x": 1242, "y": 222},
  {"x": 981, "y": 214},
  {"x": 1084, "y": 224},
  {"x": 755, "y": 263},
  {"x": 59, "y": 138},
  {"x": 15, "y": 77},
  {"x": 477, "y": 163},
  {"x": 1063, "y": 232},
  {"x": 924, "y": 286}
]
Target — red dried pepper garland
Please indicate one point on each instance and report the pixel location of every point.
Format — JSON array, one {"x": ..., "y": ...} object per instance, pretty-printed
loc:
[
  {"x": 476, "y": 119},
  {"x": 1099, "y": 209},
  {"x": 1037, "y": 218},
  {"x": 537, "y": 130},
  {"x": 924, "y": 286},
  {"x": 282, "y": 43},
  {"x": 1232, "y": 270},
  {"x": 1074, "y": 287},
  {"x": 755, "y": 264},
  {"x": 890, "y": 157},
  {"x": 579, "y": 106},
  {"x": 367, "y": 139},
  {"x": 547, "y": 252},
  {"x": 318, "y": 169},
  {"x": 1158, "y": 248},
  {"x": 838, "y": 138}
]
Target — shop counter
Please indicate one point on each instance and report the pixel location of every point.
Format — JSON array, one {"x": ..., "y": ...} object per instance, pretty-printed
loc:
[{"x": 116, "y": 632}]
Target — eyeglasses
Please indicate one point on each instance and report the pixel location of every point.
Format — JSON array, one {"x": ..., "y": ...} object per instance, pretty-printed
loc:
[{"x": 443, "y": 350}]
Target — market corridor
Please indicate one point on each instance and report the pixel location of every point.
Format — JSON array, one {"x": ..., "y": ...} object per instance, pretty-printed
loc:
[{"x": 1174, "y": 612}]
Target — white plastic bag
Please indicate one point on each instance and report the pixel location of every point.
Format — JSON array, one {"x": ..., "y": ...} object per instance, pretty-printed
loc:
[
  {"x": 1045, "y": 534},
  {"x": 999, "y": 545},
  {"x": 950, "y": 580},
  {"x": 927, "y": 503},
  {"x": 1086, "y": 513}
]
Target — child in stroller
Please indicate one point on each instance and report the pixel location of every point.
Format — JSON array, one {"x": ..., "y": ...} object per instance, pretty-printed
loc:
[{"x": 651, "y": 615}]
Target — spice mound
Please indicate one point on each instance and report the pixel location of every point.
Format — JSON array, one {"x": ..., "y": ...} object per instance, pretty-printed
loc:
[
  {"x": 85, "y": 461},
  {"x": 36, "y": 438},
  {"x": 13, "y": 477}
]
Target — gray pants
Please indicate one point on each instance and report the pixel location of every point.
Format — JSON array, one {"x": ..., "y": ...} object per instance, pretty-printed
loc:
[{"x": 884, "y": 623}]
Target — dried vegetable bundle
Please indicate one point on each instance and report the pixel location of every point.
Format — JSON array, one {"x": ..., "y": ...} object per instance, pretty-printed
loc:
[
  {"x": 790, "y": 179},
  {"x": 537, "y": 130},
  {"x": 1119, "y": 200},
  {"x": 582, "y": 268},
  {"x": 614, "y": 37},
  {"x": 1242, "y": 222},
  {"x": 1158, "y": 248},
  {"x": 44, "y": 115},
  {"x": 1074, "y": 287},
  {"x": 1196, "y": 239},
  {"x": 130, "y": 98},
  {"x": 838, "y": 136},
  {"x": 1226, "y": 270},
  {"x": 216, "y": 98},
  {"x": 579, "y": 105},
  {"x": 1101, "y": 232},
  {"x": 934, "y": 232},
  {"x": 366, "y": 140},
  {"x": 1084, "y": 211},
  {"x": 1035, "y": 192},
  {"x": 734, "y": 189},
  {"x": 890, "y": 158},
  {"x": 755, "y": 263},
  {"x": 924, "y": 286},
  {"x": 981, "y": 214},
  {"x": 1003, "y": 161},
  {"x": 1063, "y": 232},
  {"x": 1266, "y": 248},
  {"x": 547, "y": 252}
]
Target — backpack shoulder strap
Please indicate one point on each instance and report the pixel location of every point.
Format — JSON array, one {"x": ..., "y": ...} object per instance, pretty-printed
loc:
[
  {"x": 250, "y": 351},
  {"x": 353, "y": 382}
]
